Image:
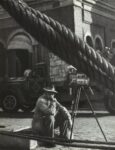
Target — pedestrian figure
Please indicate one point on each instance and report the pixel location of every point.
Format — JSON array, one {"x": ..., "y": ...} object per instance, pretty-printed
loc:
[{"x": 50, "y": 114}]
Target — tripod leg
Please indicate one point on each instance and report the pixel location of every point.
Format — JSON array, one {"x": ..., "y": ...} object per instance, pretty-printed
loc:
[
  {"x": 91, "y": 107},
  {"x": 75, "y": 108}
]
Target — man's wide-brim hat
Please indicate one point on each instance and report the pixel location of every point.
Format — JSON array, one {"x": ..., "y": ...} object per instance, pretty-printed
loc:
[{"x": 50, "y": 89}]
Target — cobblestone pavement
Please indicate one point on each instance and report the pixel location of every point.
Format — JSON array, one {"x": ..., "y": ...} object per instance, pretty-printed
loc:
[{"x": 85, "y": 128}]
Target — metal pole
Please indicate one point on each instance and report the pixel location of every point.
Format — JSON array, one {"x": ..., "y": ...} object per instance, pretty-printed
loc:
[
  {"x": 92, "y": 109},
  {"x": 75, "y": 108}
]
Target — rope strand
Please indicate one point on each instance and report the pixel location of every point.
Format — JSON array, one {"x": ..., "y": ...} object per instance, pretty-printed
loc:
[{"x": 62, "y": 42}]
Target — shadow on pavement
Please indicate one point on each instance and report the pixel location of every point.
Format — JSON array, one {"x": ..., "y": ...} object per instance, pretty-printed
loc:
[
  {"x": 81, "y": 113},
  {"x": 16, "y": 115},
  {"x": 90, "y": 114}
]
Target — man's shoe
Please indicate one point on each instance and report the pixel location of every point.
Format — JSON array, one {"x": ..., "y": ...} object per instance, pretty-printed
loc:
[
  {"x": 41, "y": 144},
  {"x": 49, "y": 144},
  {"x": 46, "y": 144}
]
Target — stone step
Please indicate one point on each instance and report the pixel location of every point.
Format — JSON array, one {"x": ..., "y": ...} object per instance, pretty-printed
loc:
[{"x": 15, "y": 143}]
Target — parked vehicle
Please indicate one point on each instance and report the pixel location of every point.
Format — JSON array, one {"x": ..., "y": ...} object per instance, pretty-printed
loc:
[{"x": 22, "y": 92}]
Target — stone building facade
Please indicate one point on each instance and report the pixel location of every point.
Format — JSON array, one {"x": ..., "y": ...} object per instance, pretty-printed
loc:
[{"x": 92, "y": 20}]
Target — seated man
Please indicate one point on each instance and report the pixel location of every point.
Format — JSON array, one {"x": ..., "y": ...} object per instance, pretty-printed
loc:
[{"x": 50, "y": 114}]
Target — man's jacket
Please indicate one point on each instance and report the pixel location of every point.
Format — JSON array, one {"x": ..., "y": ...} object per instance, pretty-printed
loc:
[{"x": 49, "y": 106}]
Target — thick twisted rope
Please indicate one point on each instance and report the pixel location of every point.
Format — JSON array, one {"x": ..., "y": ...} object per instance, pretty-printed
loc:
[
  {"x": 75, "y": 41},
  {"x": 62, "y": 42}
]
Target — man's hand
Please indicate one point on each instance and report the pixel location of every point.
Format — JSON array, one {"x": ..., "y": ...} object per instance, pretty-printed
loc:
[{"x": 52, "y": 107}]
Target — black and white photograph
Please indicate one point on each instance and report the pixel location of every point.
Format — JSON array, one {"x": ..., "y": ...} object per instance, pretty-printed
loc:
[{"x": 57, "y": 74}]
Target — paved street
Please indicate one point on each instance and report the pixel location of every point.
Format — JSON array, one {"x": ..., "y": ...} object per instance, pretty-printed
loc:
[{"x": 85, "y": 127}]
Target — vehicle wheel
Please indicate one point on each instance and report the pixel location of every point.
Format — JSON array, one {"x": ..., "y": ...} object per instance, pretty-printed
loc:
[
  {"x": 110, "y": 103},
  {"x": 10, "y": 102},
  {"x": 27, "y": 108}
]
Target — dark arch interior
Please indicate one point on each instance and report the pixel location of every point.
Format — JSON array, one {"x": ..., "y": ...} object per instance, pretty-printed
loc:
[
  {"x": 98, "y": 44},
  {"x": 89, "y": 41}
]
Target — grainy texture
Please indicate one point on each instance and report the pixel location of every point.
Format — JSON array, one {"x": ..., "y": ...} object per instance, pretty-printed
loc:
[{"x": 85, "y": 128}]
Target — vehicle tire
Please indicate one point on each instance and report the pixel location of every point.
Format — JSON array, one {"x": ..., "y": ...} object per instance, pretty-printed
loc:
[
  {"x": 27, "y": 108},
  {"x": 110, "y": 103},
  {"x": 10, "y": 102}
]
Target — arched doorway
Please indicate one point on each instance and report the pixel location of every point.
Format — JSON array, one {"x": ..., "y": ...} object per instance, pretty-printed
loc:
[
  {"x": 19, "y": 55},
  {"x": 112, "y": 60},
  {"x": 113, "y": 46},
  {"x": 98, "y": 44},
  {"x": 89, "y": 41}
]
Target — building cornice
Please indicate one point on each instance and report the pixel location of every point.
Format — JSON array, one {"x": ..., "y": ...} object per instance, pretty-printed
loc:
[
  {"x": 101, "y": 3},
  {"x": 51, "y": 4},
  {"x": 100, "y": 8},
  {"x": 42, "y": 5}
]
